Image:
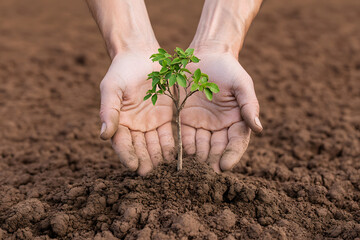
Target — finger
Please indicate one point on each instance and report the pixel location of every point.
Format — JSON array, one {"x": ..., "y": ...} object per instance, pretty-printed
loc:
[
  {"x": 167, "y": 142},
  {"x": 188, "y": 139},
  {"x": 145, "y": 164},
  {"x": 109, "y": 110},
  {"x": 153, "y": 147},
  {"x": 248, "y": 103},
  {"x": 239, "y": 137},
  {"x": 202, "y": 144},
  {"x": 122, "y": 144},
  {"x": 219, "y": 140}
]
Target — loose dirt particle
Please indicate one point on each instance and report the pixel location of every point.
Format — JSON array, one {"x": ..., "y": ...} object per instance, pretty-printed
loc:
[
  {"x": 226, "y": 219},
  {"x": 59, "y": 224}
]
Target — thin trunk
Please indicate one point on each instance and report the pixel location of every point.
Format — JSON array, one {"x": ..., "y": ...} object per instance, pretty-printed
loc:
[{"x": 178, "y": 124}]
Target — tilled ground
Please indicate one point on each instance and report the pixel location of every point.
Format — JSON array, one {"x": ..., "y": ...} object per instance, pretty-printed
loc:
[{"x": 300, "y": 179}]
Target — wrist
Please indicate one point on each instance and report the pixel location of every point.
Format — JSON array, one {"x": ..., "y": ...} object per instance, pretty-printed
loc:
[
  {"x": 215, "y": 46},
  {"x": 124, "y": 25},
  {"x": 220, "y": 29},
  {"x": 117, "y": 46},
  {"x": 223, "y": 25}
]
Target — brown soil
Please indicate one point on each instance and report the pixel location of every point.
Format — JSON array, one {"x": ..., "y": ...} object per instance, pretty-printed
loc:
[{"x": 300, "y": 179}]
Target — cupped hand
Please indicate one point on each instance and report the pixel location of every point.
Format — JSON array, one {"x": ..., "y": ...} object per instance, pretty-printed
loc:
[
  {"x": 218, "y": 131},
  {"x": 140, "y": 133}
]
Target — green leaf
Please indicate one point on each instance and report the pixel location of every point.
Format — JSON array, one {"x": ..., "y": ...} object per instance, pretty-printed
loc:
[
  {"x": 194, "y": 87},
  {"x": 184, "y": 62},
  {"x": 158, "y": 57},
  {"x": 168, "y": 61},
  {"x": 163, "y": 70},
  {"x": 180, "y": 51},
  {"x": 185, "y": 70},
  {"x": 167, "y": 55},
  {"x": 147, "y": 97},
  {"x": 172, "y": 80},
  {"x": 201, "y": 88},
  {"x": 181, "y": 80},
  {"x": 154, "y": 55},
  {"x": 167, "y": 76},
  {"x": 194, "y": 59},
  {"x": 161, "y": 50},
  {"x": 153, "y": 90},
  {"x": 189, "y": 51},
  {"x": 154, "y": 99},
  {"x": 204, "y": 75},
  {"x": 203, "y": 80},
  {"x": 175, "y": 61},
  {"x": 155, "y": 81},
  {"x": 213, "y": 87},
  {"x": 208, "y": 94},
  {"x": 153, "y": 74},
  {"x": 197, "y": 75},
  {"x": 163, "y": 63}
]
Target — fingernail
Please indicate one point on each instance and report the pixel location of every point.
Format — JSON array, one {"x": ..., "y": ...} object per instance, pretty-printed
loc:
[
  {"x": 103, "y": 128},
  {"x": 257, "y": 122}
]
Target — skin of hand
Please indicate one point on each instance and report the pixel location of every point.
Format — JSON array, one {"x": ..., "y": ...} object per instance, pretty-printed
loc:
[
  {"x": 218, "y": 131},
  {"x": 141, "y": 134}
]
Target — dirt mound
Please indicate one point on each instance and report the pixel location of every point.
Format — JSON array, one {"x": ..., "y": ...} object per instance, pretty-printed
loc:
[
  {"x": 195, "y": 202},
  {"x": 300, "y": 179}
]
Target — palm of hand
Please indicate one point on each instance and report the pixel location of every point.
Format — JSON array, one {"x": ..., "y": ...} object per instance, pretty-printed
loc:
[
  {"x": 141, "y": 133},
  {"x": 223, "y": 110},
  {"x": 215, "y": 130},
  {"x": 136, "y": 114}
]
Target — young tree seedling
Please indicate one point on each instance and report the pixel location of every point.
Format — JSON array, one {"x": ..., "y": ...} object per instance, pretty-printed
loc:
[{"x": 172, "y": 76}]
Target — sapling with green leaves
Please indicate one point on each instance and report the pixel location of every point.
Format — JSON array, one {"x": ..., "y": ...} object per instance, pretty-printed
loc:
[{"x": 173, "y": 76}]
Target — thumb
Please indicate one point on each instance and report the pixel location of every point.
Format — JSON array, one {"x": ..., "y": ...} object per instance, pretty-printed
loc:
[
  {"x": 249, "y": 105},
  {"x": 109, "y": 111}
]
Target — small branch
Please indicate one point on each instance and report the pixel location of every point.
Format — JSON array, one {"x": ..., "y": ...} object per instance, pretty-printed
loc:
[
  {"x": 189, "y": 84},
  {"x": 170, "y": 97},
  {"x": 169, "y": 91},
  {"x": 178, "y": 96},
  {"x": 187, "y": 96}
]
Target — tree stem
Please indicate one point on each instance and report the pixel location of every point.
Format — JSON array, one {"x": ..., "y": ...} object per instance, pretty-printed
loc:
[{"x": 178, "y": 123}]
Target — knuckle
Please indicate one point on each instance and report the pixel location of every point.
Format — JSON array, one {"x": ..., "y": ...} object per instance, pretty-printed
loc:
[
  {"x": 254, "y": 104},
  {"x": 106, "y": 109}
]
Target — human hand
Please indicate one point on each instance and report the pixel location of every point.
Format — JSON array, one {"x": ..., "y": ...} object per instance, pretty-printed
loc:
[
  {"x": 140, "y": 133},
  {"x": 218, "y": 131}
]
